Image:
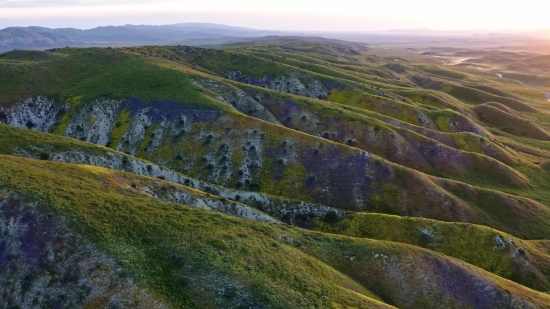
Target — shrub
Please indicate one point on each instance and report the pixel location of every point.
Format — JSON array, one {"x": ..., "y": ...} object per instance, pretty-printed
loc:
[
  {"x": 331, "y": 217},
  {"x": 30, "y": 124}
]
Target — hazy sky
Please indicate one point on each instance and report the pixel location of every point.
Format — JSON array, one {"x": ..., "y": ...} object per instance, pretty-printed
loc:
[{"x": 336, "y": 15}]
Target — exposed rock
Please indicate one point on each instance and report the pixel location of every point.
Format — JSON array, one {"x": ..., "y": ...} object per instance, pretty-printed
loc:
[
  {"x": 276, "y": 207},
  {"x": 238, "y": 99},
  {"x": 298, "y": 84},
  {"x": 37, "y": 113},
  {"x": 45, "y": 264},
  {"x": 93, "y": 122}
]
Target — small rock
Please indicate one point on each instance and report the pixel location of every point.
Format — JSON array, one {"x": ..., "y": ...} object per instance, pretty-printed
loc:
[
  {"x": 426, "y": 234},
  {"x": 249, "y": 268},
  {"x": 221, "y": 252},
  {"x": 324, "y": 298},
  {"x": 226, "y": 259}
]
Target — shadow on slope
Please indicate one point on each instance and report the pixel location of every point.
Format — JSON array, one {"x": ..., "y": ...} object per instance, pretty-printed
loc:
[{"x": 509, "y": 121}]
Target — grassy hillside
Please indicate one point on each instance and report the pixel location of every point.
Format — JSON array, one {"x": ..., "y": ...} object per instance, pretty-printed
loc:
[
  {"x": 500, "y": 253},
  {"x": 89, "y": 73},
  {"x": 202, "y": 173},
  {"x": 232, "y": 261}
]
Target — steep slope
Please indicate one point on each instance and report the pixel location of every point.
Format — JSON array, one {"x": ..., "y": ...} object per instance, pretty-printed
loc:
[
  {"x": 285, "y": 164},
  {"x": 209, "y": 140},
  {"x": 492, "y": 250},
  {"x": 56, "y": 148},
  {"x": 179, "y": 253},
  {"x": 509, "y": 258},
  {"x": 236, "y": 262},
  {"x": 41, "y": 256},
  {"x": 355, "y": 128}
]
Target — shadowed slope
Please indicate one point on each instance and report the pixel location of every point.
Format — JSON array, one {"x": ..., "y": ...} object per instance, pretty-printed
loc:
[{"x": 509, "y": 121}]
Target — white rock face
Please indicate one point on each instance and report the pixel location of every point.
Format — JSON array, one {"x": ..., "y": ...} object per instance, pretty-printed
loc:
[
  {"x": 37, "y": 113},
  {"x": 238, "y": 99},
  {"x": 135, "y": 133},
  {"x": 298, "y": 83},
  {"x": 182, "y": 196},
  {"x": 94, "y": 122},
  {"x": 313, "y": 88},
  {"x": 275, "y": 206},
  {"x": 253, "y": 155}
]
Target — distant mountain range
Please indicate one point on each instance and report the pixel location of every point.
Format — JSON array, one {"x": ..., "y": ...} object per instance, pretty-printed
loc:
[
  {"x": 204, "y": 34},
  {"x": 187, "y": 33}
]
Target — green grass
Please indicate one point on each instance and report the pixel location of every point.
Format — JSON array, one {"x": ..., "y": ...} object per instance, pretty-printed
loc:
[
  {"x": 277, "y": 265},
  {"x": 473, "y": 244},
  {"x": 101, "y": 73},
  {"x": 150, "y": 237},
  {"x": 441, "y": 72},
  {"x": 20, "y": 56}
]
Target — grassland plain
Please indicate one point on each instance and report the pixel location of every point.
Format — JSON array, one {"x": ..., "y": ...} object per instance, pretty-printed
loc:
[{"x": 309, "y": 133}]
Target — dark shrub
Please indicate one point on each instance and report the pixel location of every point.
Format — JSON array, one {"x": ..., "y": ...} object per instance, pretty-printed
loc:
[
  {"x": 30, "y": 124},
  {"x": 331, "y": 217},
  {"x": 3, "y": 117}
]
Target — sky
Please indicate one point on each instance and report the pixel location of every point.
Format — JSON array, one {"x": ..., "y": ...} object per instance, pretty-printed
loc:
[{"x": 299, "y": 15}]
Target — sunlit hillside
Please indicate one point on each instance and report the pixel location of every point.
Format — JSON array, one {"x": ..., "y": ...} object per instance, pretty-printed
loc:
[{"x": 277, "y": 172}]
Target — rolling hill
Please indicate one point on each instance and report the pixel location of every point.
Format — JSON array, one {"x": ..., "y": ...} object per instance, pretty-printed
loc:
[{"x": 278, "y": 172}]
